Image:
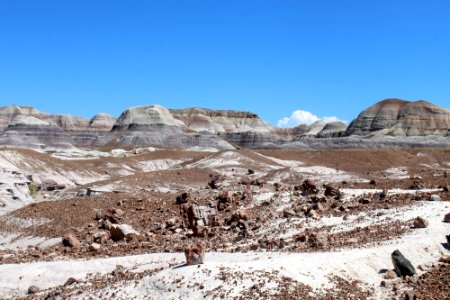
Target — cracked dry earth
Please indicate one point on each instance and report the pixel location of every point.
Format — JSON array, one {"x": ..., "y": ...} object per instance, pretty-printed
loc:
[{"x": 275, "y": 224}]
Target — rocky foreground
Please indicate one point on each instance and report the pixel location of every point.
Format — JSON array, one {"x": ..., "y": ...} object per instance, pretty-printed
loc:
[{"x": 149, "y": 223}]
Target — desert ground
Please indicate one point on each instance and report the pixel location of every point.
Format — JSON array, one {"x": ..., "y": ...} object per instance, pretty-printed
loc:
[{"x": 275, "y": 224}]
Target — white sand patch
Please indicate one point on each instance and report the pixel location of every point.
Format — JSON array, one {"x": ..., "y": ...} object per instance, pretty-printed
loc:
[
  {"x": 157, "y": 164},
  {"x": 225, "y": 159},
  {"x": 325, "y": 174},
  {"x": 398, "y": 173},
  {"x": 79, "y": 178},
  {"x": 202, "y": 149},
  {"x": 14, "y": 241},
  {"x": 282, "y": 162}
]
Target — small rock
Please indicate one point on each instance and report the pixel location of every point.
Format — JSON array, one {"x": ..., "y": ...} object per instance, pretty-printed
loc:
[
  {"x": 119, "y": 271},
  {"x": 71, "y": 281},
  {"x": 114, "y": 215},
  {"x": 403, "y": 266},
  {"x": 390, "y": 275},
  {"x": 352, "y": 240},
  {"x": 447, "y": 218},
  {"x": 319, "y": 207},
  {"x": 102, "y": 236},
  {"x": 246, "y": 214},
  {"x": 215, "y": 181},
  {"x": 195, "y": 255},
  {"x": 420, "y": 222},
  {"x": 33, "y": 290},
  {"x": 447, "y": 188},
  {"x": 82, "y": 193},
  {"x": 94, "y": 247},
  {"x": 435, "y": 198},
  {"x": 365, "y": 201},
  {"x": 332, "y": 191},
  {"x": 171, "y": 222},
  {"x": 183, "y": 198},
  {"x": 70, "y": 240},
  {"x": 288, "y": 213},
  {"x": 122, "y": 231},
  {"x": 410, "y": 296},
  {"x": 314, "y": 214},
  {"x": 445, "y": 259},
  {"x": 309, "y": 186}
]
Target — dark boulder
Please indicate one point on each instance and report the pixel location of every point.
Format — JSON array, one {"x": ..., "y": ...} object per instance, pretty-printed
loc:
[{"x": 402, "y": 265}]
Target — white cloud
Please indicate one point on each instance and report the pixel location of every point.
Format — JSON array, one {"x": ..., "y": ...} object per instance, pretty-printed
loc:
[{"x": 299, "y": 117}]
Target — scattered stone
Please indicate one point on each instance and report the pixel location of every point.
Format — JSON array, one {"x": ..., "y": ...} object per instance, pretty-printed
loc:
[
  {"x": 309, "y": 186},
  {"x": 372, "y": 182},
  {"x": 390, "y": 275},
  {"x": 403, "y": 266},
  {"x": 114, "y": 215},
  {"x": 365, "y": 200},
  {"x": 417, "y": 184},
  {"x": 332, "y": 191},
  {"x": 102, "y": 236},
  {"x": 352, "y": 240},
  {"x": 171, "y": 222},
  {"x": 445, "y": 259},
  {"x": 215, "y": 181},
  {"x": 380, "y": 196},
  {"x": 121, "y": 232},
  {"x": 70, "y": 240},
  {"x": 119, "y": 271},
  {"x": 197, "y": 215},
  {"x": 183, "y": 198},
  {"x": 71, "y": 281},
  {"x": 447, "y": 218},
  {"x": 318, "y": 240},
  {"x": 94, "y": 247},
  {"x": 420, "y": 222},
  {"x": 195, "y": 255},
  {"x": 246, "y": 214},
  {"x": 313, "y": 214},
  {"x": 410, "y": 296},
  {"x": 82, "y": 193},
  {"x": 435, "y": 198},
  {"x": 33, "y": 290},
  {"x": 289, "y": 213}
]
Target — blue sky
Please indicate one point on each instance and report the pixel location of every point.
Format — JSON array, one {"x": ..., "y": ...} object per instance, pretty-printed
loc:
[{"x": 330, "y": 58}]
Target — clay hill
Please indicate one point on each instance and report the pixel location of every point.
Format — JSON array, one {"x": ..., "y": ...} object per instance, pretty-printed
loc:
[
  {"x": 402, "y": 118},
  {"x": 223, "y": 129}
]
